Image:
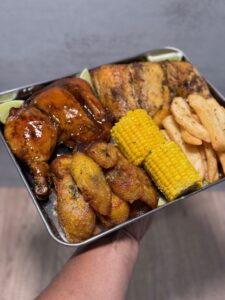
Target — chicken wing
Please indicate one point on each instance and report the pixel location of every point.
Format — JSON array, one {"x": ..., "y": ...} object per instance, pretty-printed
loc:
[
  {"x": 75, "y": 215},
  {"x": 32, "y": 137}
]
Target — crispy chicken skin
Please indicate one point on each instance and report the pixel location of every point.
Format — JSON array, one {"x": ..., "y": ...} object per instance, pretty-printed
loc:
[
  {"x": 92, "y": 183},
  {"x": 79, "y": 114},
  {"x": 119, "y": 212},
  {"x": 183, "y": 79},
  {"x": 124, "y": 181},
  {"x": 149, "y": 195},
  {"x": 127, "y": 87},
  {"x": 105, "y": 155},
  {"x": 32, "y": 137},
  {"x": 75, "y": 215}
]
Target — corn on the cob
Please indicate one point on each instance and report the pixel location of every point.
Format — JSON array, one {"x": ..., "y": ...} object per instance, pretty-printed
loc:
[
  {"x": 171, "y": 170},
  {"x": 136, "y": 134}
]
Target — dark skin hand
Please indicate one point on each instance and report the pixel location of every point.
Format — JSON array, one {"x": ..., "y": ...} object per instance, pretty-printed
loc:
[{"x": 102, "y": 270}]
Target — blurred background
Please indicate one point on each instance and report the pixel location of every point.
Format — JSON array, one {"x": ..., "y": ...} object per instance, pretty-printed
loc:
[{"x": 182, "y": 256}]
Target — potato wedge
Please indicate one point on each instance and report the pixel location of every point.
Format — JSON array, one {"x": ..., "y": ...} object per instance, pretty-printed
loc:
[
  {"x": 91, "y": 182},
  {"x": 192, "y": 152},
  {"x": 189, "y": 138},
  {"x": 183, "y": 116},
  {"x": 209, "y": 119},
  {"x": 212, "y": 164},
  {"x": 165, "y": 134}
]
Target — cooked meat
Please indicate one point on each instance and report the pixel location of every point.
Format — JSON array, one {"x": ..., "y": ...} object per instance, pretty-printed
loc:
[
  {"x": 105, "y": 155},
  {"x": 75, "y": 215},
  {"x": 118, "y": 214},
  {"x": 183, "y": 79},
  {"x": 72, "y": 104},
  {"x": 124, "y": 181},
  {"x": 32, "y": 137},
  {"x": 126, "y": 87}
]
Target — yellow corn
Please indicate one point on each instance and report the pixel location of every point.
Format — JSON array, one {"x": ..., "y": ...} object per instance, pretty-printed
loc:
[
  {"x": 136, "y": 135},
  {"x": 171, "y": 170}
]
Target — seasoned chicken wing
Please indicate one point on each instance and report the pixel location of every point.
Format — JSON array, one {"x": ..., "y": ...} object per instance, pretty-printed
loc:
[
  {"x": 72, "y": 104},
  {"x": 124, "y": 181},
  {"x": 32, "y": 137},
  {"x": 183, "y": 79},
  {"x": 92, "y": 183},
  {"x": 119, "y": 212},
  {"x": 105, "y": 155},
  {"x": 127, "y": 87},
  {"x": 75, "y": 215}
]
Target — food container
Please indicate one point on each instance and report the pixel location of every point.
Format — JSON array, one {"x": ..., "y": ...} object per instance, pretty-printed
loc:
[{"x": 46, "y": 209}]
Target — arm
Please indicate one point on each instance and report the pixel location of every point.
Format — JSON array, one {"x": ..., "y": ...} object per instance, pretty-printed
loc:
[{"x": 102, "y": 271}]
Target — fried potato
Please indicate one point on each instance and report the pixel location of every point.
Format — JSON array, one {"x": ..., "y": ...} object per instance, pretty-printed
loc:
[
  {"x": 124, "y": 181},
  {"x": 162, "y": 114},
  {"x": 91, "y": 182},
  {"x": 189, "y": 138},
  {"x": 192, "y": 152},
  {"x": 182, "y": 114},
  {"x": 75, "y": 215},
  {"x": 212, "y": 164},
  {"x": 105, "y": 155},
  {"x": 221, "y": 156},
  {"x": 149, "y": 195},
  {"x": 165, "y": 134},
  {"x": 210, "y": 120},
  {"x": 119, "y": 212}
]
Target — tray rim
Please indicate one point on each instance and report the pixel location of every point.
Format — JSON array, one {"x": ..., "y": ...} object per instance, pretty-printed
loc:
[{"x": 117, "y": 227}]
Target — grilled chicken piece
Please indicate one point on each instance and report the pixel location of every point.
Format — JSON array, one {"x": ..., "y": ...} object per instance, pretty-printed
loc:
[
  {"x": 79, "y": 114},
  {"x": 75, "y": 215},
  {"x": 183, "y": 79},
  {"x": 127, "y": 87},
  {"x": 32, "y": 137}
]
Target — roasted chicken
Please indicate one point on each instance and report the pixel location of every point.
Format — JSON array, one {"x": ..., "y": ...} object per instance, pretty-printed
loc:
[
  {"x": 32, "y": 137},
  {"x": 65, "y": 112},
  {"x": 75, "y": 215},
  {"x": 183, "y": 79},
  {"x": 127, "y": 87}
]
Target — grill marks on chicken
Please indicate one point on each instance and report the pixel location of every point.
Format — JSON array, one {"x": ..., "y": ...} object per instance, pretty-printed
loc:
[
  {"x": 146, "y": 85},
  {"x": 127, "y": 87},
  {"x": 183, "y": 79}
]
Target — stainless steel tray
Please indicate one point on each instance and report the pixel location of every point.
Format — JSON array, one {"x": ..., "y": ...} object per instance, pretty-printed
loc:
[{"x": 46, "y": 209}]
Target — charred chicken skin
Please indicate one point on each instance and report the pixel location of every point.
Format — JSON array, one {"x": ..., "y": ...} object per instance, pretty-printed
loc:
[
  {"x": 32, "y": 137},
  {"x": 65, "y": 112}
]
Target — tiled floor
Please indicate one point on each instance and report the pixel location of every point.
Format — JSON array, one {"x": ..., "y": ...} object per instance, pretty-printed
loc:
[{"x": 182, "y": 255}]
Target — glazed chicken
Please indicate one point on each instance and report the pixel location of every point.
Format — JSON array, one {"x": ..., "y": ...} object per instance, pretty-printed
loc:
[
  {"x": 127, "y": 87},
  {"x": 32, "y": 138},
  {"x": 79, "y": 114},
  {"x": 75, "y": 215},
  {"x": 65, "y": 112}
]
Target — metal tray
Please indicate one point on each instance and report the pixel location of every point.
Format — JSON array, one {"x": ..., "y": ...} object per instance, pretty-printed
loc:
[{"x": 46, "y": 209}]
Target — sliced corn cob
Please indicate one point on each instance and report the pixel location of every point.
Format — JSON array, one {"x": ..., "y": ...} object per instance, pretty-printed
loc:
[
  {"x": 171, "y": 170},
  {"x": 136, "y": 134}
]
